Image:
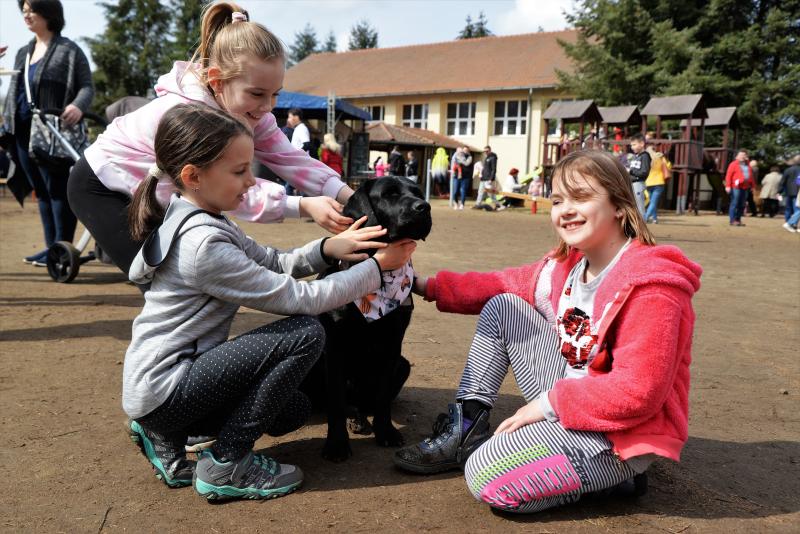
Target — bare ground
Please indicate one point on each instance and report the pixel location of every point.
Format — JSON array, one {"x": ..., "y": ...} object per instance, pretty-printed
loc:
[{"x": 69, "y": 466}]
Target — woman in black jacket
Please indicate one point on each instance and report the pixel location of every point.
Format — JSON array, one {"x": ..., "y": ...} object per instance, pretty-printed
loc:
[{"x": 59, "y": 77}]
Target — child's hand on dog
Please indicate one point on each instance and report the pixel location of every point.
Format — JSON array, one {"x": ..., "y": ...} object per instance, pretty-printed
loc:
[
  {"x": 396, "y": 254},
  {"x": 326, "y": 212},
  {"x": 345, "y": 246}
]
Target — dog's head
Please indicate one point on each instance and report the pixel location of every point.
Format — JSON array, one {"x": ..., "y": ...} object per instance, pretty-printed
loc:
[{"x": 396, "y": 204}]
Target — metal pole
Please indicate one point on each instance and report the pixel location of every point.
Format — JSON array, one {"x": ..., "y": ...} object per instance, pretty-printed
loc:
[
  {"x": 428, "y": 182},
  {"x": 331, "y": 119}
]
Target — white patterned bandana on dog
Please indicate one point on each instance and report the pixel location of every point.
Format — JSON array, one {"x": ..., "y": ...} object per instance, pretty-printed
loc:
[{"x": 395, "y": 288}]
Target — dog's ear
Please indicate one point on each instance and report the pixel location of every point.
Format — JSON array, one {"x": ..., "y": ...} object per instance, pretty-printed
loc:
[{"x": 359, "y": 205}]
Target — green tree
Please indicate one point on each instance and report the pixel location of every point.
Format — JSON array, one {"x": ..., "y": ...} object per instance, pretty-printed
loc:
[
  {"x": 468, "y": 31},
  {"x": 133, "y": 50},
  {"x": 330, "y": 43},
  {"x": 186, "y": 33},
  {"x": 362, "y": 35},
  {"x": 740, "y": 53},
  {"x": 481, "y": 27},
  {"x": 305, "y": 44}
]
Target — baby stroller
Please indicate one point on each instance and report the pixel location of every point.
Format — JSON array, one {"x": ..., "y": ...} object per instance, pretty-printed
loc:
[{"x": 63, "y": 259}]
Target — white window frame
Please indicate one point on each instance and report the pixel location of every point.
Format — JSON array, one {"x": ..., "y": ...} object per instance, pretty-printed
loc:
[
  {"x": 457, "y": 121},
  {"x": 521, "y": 118},
  {"x": 371, "y": 111},
  {"x": 415, "y": 121}
]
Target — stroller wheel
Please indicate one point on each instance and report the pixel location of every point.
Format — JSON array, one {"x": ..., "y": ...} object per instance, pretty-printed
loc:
[{"x": 63, "y": 262}]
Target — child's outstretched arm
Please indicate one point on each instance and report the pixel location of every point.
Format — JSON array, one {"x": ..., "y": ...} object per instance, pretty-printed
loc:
[{"x": 468, "y": 292}]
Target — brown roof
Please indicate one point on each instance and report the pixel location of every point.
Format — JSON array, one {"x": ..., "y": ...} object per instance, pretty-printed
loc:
[
  {"x": 620, "y": 115},
  {"x": 676, "y": 106},
  {"x": 719, "y": 117},
  {"x": 484, "y": 64},
  {"x": 573, "y": 111},
  {"x": 382, "y": 132}
]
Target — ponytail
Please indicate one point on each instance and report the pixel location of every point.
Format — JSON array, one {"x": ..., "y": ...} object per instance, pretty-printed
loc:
[
  {"x": 145, "y": 214},
  {"x": 224, "y": 40}
]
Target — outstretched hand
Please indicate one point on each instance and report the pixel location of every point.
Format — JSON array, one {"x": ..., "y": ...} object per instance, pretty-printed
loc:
[
  {"x": 326, "y": 212},
  {"x": 528, "y": 414},
  {"x": 347, "y": 244}
]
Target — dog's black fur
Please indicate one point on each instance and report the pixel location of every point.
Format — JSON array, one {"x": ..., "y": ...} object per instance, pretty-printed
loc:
[{"x": 362, "y": 368}]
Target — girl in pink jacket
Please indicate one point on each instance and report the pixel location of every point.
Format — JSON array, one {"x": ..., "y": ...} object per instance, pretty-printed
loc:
[
  {"x": 239, "y": 68},
  {"x": 598, "y": 336}
]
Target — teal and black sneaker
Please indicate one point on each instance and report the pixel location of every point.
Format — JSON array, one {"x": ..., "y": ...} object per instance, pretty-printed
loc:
[
  {"x": 253, "y": 477},
  {"x": 168, "y": 459}
]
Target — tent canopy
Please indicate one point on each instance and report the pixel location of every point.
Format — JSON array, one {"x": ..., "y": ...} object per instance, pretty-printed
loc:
[{"x": 316, "y": 107}]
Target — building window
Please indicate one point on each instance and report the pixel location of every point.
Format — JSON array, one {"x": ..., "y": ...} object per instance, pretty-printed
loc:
[
  {"x": 461, "y": 118},
  {"x": 375, "y": 111},
  {"x": 510, "y": 117},
  {"x": 416, "y": 116}
]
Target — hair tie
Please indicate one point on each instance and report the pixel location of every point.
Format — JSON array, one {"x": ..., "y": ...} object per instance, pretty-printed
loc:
[
  {"x": 238, "y": 16},
  {"x": 156, "y": 172}
]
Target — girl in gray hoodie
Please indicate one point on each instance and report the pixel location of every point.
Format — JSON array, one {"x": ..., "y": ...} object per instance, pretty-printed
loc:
[{"x": 181, "y": 375}]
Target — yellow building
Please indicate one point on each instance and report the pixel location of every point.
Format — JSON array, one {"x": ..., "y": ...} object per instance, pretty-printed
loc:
[{"x": 487, "y": 91}]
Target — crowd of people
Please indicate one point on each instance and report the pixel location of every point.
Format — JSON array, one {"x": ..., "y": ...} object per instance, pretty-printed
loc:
[{"x": 156, "y": 188}]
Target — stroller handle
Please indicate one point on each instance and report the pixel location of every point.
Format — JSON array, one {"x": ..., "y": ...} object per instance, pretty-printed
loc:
[{"x": 88, "y": 115}]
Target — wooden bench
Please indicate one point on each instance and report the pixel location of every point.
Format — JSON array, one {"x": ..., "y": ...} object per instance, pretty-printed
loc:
[{"x": 541, "y": 203}]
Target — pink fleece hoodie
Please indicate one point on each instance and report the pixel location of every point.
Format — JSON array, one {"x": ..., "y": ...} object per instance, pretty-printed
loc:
[
  {"x": 123, "y": 154},
  {"x": 637, "y": 391}
]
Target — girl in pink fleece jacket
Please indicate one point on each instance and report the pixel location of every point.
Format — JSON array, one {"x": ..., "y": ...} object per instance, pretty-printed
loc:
[
  {"x": 239, "y": 68},
  {"x": 598, "y": 336}
]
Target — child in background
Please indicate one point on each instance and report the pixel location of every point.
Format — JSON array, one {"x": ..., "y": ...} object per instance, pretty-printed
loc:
[
  {"x": 238, "y": 68},
  {"x": 660, "y": 172},
  {"x": 181, "y": 375},
  {"x": 598, "y": 335}
]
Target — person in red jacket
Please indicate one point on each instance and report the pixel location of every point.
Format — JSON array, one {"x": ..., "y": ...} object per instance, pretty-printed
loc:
[
  {"x": 597, "y": 334},
  {"x": 331, "y": 153},
  {"x": 738, "y": 181}
]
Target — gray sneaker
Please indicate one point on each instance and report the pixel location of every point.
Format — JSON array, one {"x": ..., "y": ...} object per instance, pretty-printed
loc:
[
  {"x": 168, "y": 459},
  {"x": 253, "y": 477},
  {"x": 448, "y": 448}
]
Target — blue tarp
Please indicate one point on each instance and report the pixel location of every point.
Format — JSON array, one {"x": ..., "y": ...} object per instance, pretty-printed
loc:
[{"x": 313, "y": 105}]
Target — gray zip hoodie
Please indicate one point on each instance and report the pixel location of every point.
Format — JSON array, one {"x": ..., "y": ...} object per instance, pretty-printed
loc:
[{"x": 209, "y": 269}]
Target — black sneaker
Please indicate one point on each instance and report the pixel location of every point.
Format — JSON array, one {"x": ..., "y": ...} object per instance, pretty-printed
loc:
[
  {"x": 448, "y": 448},
  {"x": 168, "y": 459},
  {"x": 253, "y": 477}
]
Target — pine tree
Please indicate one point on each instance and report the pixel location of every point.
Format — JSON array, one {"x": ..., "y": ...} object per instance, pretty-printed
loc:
[
  {"x": 305, "y": 44},
  {"x": 133, "y": 50},
  {"x": 188, "y": 14},
  {"x": 743, "y": 53},
  {"x": 362, "y": 35},
  {"x": 481, "y": 28},
  {"x": 330, "y": 43},
  {"x": 468, "y": 32}
]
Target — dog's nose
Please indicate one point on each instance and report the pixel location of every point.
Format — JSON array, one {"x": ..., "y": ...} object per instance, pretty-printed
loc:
[{"x": 421, "y": 207}]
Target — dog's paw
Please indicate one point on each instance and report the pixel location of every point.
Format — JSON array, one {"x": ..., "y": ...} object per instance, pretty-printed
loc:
[
  {"x": 388, "y": 436},
  {"x": 336, "y": 450},
  {"x": 359, "y": 424}
]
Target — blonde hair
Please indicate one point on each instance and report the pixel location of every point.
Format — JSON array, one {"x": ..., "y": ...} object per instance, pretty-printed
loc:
[
  {"x": 611, "y": 176},
  {"x": 223, "y": 42},
  {"x": 329, "y": 142}
]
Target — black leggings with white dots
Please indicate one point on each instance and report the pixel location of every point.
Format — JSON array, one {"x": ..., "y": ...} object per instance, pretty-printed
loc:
[{"x": 244, "y": 388}]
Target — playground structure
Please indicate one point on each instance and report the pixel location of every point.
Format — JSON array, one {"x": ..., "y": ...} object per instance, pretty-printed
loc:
[{"x": 678, "y": 125}]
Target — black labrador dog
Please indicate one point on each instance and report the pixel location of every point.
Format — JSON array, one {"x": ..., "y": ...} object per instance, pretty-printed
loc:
[{"x": 362, "y": 370}]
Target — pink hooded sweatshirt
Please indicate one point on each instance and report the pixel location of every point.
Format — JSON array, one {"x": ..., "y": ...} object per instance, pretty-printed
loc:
[{"x": 123, "y": 154}]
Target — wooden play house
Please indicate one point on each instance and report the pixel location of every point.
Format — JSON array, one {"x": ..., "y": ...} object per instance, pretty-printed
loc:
[
  {"x": 726, "y": 120},
  {"x": 583, "y": 113},
  {"x": 685, "y": 149},
  {"x": 617, "y": 124}
]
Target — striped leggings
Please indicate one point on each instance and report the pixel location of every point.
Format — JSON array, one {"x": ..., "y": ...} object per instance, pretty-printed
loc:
[{"x": 541, "y": 465}]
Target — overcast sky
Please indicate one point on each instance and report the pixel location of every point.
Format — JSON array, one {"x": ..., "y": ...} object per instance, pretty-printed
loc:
[{"x": 398, "y": 22}]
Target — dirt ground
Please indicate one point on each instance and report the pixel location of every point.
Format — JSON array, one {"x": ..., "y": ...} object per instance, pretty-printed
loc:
[{"x": 69, "y": 467}]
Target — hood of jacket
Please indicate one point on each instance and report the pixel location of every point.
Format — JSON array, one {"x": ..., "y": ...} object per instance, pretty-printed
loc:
[
  {"x": 180, "y": 217},
  {"x": 182, "y": 80}
]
